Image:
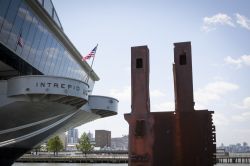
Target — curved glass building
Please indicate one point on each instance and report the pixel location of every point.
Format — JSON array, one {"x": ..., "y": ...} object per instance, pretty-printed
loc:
[{"x": 45, "y": 87}]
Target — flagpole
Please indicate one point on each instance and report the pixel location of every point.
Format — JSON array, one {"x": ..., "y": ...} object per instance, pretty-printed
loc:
[{"x": 91, "y": 67}]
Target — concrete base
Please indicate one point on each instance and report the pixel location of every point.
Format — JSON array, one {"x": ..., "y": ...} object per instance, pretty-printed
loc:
[{"x": 184, "y": 138}]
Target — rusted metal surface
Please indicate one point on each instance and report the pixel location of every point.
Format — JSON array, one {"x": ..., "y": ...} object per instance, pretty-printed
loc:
[
  {"x": 184, "y": 137},
  {"x": 183, "y": 81},
  {"x": 140, "y": 121}
]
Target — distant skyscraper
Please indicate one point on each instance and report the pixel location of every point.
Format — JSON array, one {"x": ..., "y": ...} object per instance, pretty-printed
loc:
[
  {"x": 72, "y": 136},
  {"x": 91, "y": 137},
  {"x": 102, "y": 138}
]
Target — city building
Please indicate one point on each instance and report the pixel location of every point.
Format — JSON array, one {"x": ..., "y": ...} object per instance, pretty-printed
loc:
[
  {"x": 45, "y": 87},
  {"x": 91, "y": 137},
  {"x": 236, "y": 148},
  {"x": 120, "y": 143},
  {"x": 72, "y": 137},
  {"x": 102, "y": 138}
]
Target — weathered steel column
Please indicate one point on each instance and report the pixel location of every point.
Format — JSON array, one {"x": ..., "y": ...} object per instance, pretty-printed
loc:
[
  {"x": 183, "y": 79},
  {"x": 194, "y": 132},
  {"x": 183, "y": 137},
  {"x": 140, "y": 121}
]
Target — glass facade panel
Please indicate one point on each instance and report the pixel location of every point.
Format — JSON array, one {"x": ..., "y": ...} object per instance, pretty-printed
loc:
[
  {"x": 40, "y": 1},
  {"x": 78, "y": 72},
  {"x": 65, "y": 64},
  {"x": 48, "y": 6},
  {"x": 35, "y": 43},
  {"x": 60, "y": 71},
  {"x": 40, "y": 47},
  {"x": 69, "y": 68},
  {"x": 59, "y": 61},
  {"x": 16, "y": 29},
  {"x": 25, "y": 31},
  {"x": 30, "y": 38},
  {"x": 9, "y": 19},
  {"x": 54, "y": 58},
  {"x": 74, "y": 75},
  {"x": 50, "y": 55},
  {"x": 46, "y": 52},
  {"x": 4, "y": 5},
  {"x": 57, "y": 19},
  {"x": 73, "y": 72}
]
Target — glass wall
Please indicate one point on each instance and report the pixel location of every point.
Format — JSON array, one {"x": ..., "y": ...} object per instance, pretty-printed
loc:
[
  {"x": 48, "y": 6},
  {"x": 24, "y": 32}
]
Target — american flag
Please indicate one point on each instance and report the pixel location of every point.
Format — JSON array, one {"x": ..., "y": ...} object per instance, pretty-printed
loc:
[
  {"x": 20, "y": 40},
  {"x": 91, "y": 54}
]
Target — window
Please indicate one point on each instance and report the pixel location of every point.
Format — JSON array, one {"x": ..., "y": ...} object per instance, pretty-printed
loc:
[
  {"x": 65, "y": 63},
  {"x": 41, "y": 2},
  {"x": 25, "y": 31},
  {"x": 70, "y": 67},
  {"x": 3, "y": 8},
  {"x": 9, "y": 20},
  {"x": 139, "y": 63},
  {"x": 29, "y": 39},
  {"x": 16, "y": 29},
  {"x": 183, "y": 59},
  {"x": 50, "y": 51},
  {"x": 48, "y": 6},
  {"x": 140, "y": 128},
  {"x": 59, "y": 60},
  {"x": 45, "y": 53},
  {"x": 54, "y": 58},
  {"x": 57, "y": 19},
  {"x": 35, "y": 43},
  {"x": 41, "y": 46}
]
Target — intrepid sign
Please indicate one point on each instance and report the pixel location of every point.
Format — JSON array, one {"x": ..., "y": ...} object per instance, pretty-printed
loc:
[
  {"x": 48, "y": 85},
  {"x": 57, "y": 85}
]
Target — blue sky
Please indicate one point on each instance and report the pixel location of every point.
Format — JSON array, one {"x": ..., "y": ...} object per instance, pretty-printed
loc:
[{"x": 220, "y": 34}]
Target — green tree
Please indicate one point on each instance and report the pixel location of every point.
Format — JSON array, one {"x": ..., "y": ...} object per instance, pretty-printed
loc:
[
  {"x": 84, "y": 144},
  {"x": 55, "y": 145}
]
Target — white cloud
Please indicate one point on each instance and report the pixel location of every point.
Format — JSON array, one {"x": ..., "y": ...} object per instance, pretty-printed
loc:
[
  {"x": 210, "y": 23},
  {"x": 246, "y": 59},
  {"x": 165, "y": 106},
  {"x": 221, "y": 120},
  {"x": 156, "y": 93},
  {"x": 213, "y": 92},
  {"x": 243, "y": 21},
  {"x": 245, "y": 104},
  {"x": 242, "y": 60},
  {"x": 121, "y": 94},
  {"x": 245, "y": 116},
  {"x": 230, "y": 60},
  {"x": 238, "y": 118}
]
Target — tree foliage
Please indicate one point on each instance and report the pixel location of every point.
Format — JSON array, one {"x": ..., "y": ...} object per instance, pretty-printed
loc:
[
  {"x": 84, "y": 144},
  {"x": 55, "y": 145}
]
